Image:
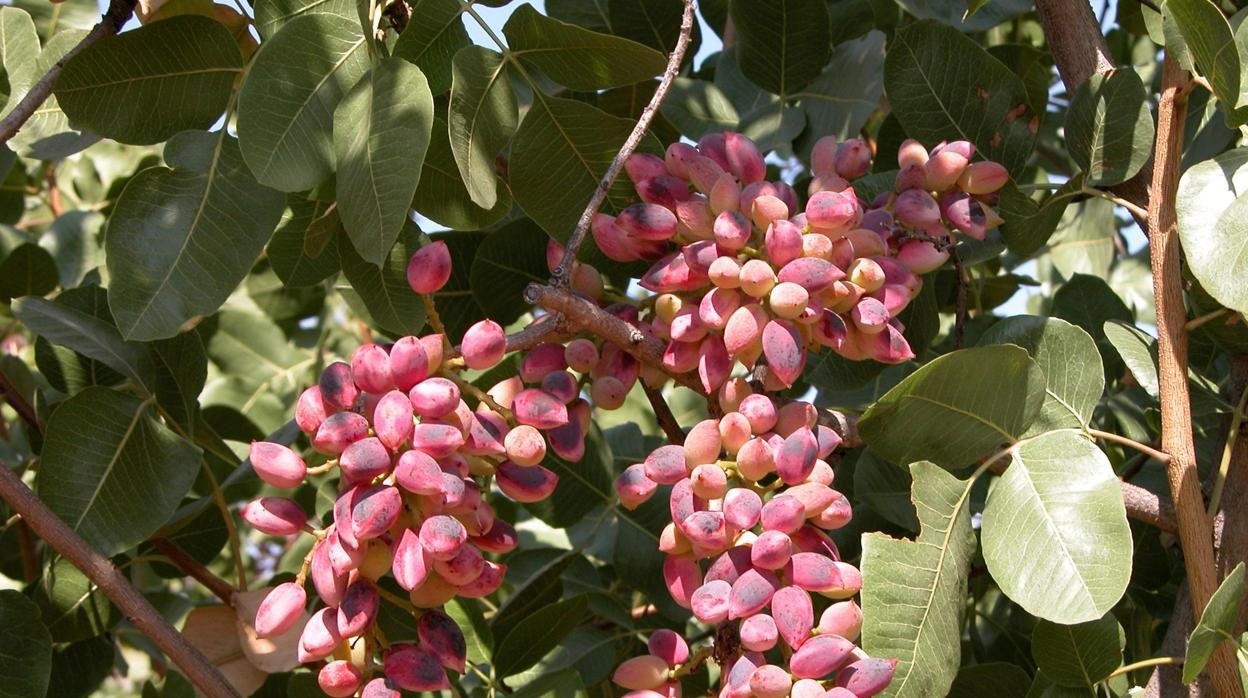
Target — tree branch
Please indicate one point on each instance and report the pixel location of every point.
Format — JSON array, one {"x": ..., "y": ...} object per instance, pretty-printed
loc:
[
  {"x": 1195, "y": 526},
  {"x": 110, "y": 23},
  {"x": 113, "y": 583},
  {"x": 663, "y": 414},
  {"x": 196, "y": 570},
  {"x": 564, "y": 270}
]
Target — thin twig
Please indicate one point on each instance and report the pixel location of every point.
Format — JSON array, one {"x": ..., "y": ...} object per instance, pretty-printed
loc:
[
  {"x": 110, "y": 23},
  {"x": 564, "y": 270},
  {"x": 663, "y": 414},
  {"x": 1195, "y": 525},
  {"x": 959, "y": 318},
  {"x": 1224, "y": 467},
  {"x": 195, "y": 569},
  {"x": 1131, "y": 443},
  {"x": 1144, "y": 664},
  {"x": 145, "y": 618}
]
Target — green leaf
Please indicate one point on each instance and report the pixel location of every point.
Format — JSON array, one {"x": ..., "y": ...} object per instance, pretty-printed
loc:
[
  {"x": 914, "y": 592},
  {"x": 559, "y": 154},
  {"x": 1074, "y": 377},
  {"x": 79, "y": 668},
  {"x": 381, "y": 133},
  {"x": 390, "y": 302},
  {"x": 1078, "y": 655},
  {"x": 783, "y": 44},
  {"x": 698, "y": 107},
  {"x": 72, "y": 607},
  {"x": 1055, "y": 531},
  {"x": 481, "y": 120},
  {"x": 1138, "y": 352},
  {"x": 456, "y": 304},
  {"x": 541, "y": 589},
  {"x": 442, "y": 195},
  {"x": 181, "y": 370},
  {"x": 1084, "y": 244},
  {"x": 27, "y": 271},
  {"x": 508, "y": 260},
  {"x": 47, "y": 135},
  {"x": 1087, "y": 301},
  {"x": 575, "y": 57},
  {"x": 1217, "y": 622},
  {"x": 565, "y": 683},
  {"x": 181, "y": 239},
  {"x": 73, "y": 240},
  {"x": 583, "y": 486},
  {"x": 64, "y": 324},
  {"x": 1029, "y": 224},
  {"x": 1213, "y": 213},
  {"x": 111, "y": 470},
  {"x": 272, "y": 14},
  {"x": 885, "y": 488},
  {"x": 19, "y": 51},
  {"x": 286, "y": 105},
  {"x": 477, "y": 634},
  {"x": 946, "y": 413},
  {"x": 1109, "y": 128},
  {"x": 999, "y": 679},
  {"x": 26, "y": 647},
  {"x": 431, "y": 42},
  {"x": 655, "y": 23},
  {"x": 967, "y": 16},
  {"x": 536, "y": 635},
  {"x": 944, "y": 86},
  {"x": 146, "y": 85},
  {"x": 303, "y": 226},
  {"x": 1214, "y": 49},
  {"x": 846, "y": 93}
]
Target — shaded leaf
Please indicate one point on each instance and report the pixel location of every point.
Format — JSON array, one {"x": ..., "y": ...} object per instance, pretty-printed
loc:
[
  {"x": 431, "y": 42},
  {"x": 885, "y": 488},
  {"x": 383, "y": 289},
  {"x": 286, "y": 105},
  {"x": 536, "y": 635},
  {"x": 26, "y": 647},
  {"x": 958, "y": 13},
  {"x": 698, "y": 107},
  {"x": 1055, "y": 531},
  {"x": 381, "y": 133},
  {"x": 1078, "y": 655},
  {"x": 442, "y": 195},
  {"x": 583, "y": 486},
  {"x": 111, "y": 471},
  {"x": 28, "y": 270},
  {"x": 1084, "y": 244},
  {"x": 181, "y": 238},
  {"x": 300, "y": 228},
  {"x": 272, "y": 14},
  {"x": 846, "y": 93},
  {"x": 71, "y": 606},
  {"x": 999, "y": 679},
  {"x": 576, "y": 57},
  {"x": 1109, "y": 128},
  {"x": 1217, "y": 622},
  {"x": 146, "y": 85},
  {"x": 508, "y": 260},
  {"x": 65, "y": 324},
  {"x": 782, "y": 44},
  {"x": 481, "y": 120}
]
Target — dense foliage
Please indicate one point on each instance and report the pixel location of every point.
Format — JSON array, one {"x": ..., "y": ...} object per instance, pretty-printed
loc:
[{"x": 878, "y": 370}]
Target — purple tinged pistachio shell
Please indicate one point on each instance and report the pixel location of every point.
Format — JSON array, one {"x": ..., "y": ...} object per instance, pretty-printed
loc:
[
  {"x": 700, "y": 255},
  {"x": 807, "y": 688},
  {"x": 413, "y": 669},
  {"x": 562, "y": 385},
  {"x": 736, "y": 681},
  {"x": 786, "y": 356},
  {"x": 710, "y": 601},
  {"x": 984, "y": 177},
  {"x": 758, "y": 633},
  {"x": 441, "y": 636},
  {"x": 466, "y": 566},
  {"x": 375, "y": 511},
  {"x": 666, "y": 465},
  {"x": 275, "y": 516},
  {"x": 486, "y": 583},
  {"x": 794, "y": 615},
  {"x": 815, "y": 497},
  {"x": 540, "y": 360},
  {"x": 526, "y": 484},
  {"x": 742, "y": 507},
  {"x": 811, "y": 273},
  {"x": 669, "y": 646},
  {"x": 706, "y": 529},
  {"x": 370, "y": 368},
  {"x": 568, "y": 441},
  {"x": 744, "y": 159},
  {"x": 645, "y": 221},
  {"x": 761, "y": 411},
  {"x": 770, "y": 681},
  {"x": 828, "y": 440},
  {"x": 633, "y": 487},
  {"x": 429, "y": 268},
  {"x": 418, "y": 472},
  {"x": 540, "y": 409},
  {"x": 338, "y": 431},
  {"x": 890, "y": 346},
  {"x": 410, "y": 564},
  {"x": 642, "y": 166},
  {"x": 682, "y": 502},
  {"x": 664, "y": 190},
  {"x": 730, "y": 565},
  {"x": 278, "y": 465},
  {"x": 339, "y": 679},
  {"x": 671, "y": 273},
  {"x": 380, "y": 687},
  {"x": 783, "y": 242},
  {"x": 732, "y": 230},
  {"x": 704, "y": 172},
  {"x": 767, "y": 209},
  {"x": 795, "y": 459},
  {"x": 581, "y": 355},
  {"x": 280, "y": 610},
  {"x": 486, "y": 431},
  {"x": 822, "y": 473},
  {"x": 437, "y": 440},
  {"x": 409, "y": 362},
  {"x": 484, "y": 345},
  {"x": 842, "y": 618},
  {"x": 809, "y": 539},
  {"x": 835, "y": 515},
  {"x": 687, "y": 325},
  {"x": 338, "y": 388},
  {"x": 343, "y": 557},
  {"x": 822, "y": 574},
  {"x": 358, "y": 609},
  {"x": 392, "y": 419},
  {"x": 320, "y": 636},
  {"x": 714, "y": 145},
  {"x": 771, "y": 551},
  {"x": 832, "y": 212},
  {"x": 734, "y": 431},
  {"x": 441, "y": 536},
  {"x": 525, "y": 445},
  {"x": 853, "y": 158},
  {"x": 680, "y": 357},
  {"x": 702, "y": 443},
  {"x": 364, "y": 460},
  {"x": 500, "y": 538},
  {"x": 709, "y": 481},
  {"x": 820, "y": 655},
  {"x": 783, "y": 513},
  {"x": 755, "y": 459},
  {"x": 714, "y": 363},
  {"x": 751, "y": 593},
  {"x": 717, "y": 306},
  {"x": 311, "y": 410},
  {"x": 329, "y": 585},
  {"x": 867, "y": 677},
  {"x": 823, "y": 156},
  {"x": 434, "y": 397},
  {"x": 682, "y": 576}
]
